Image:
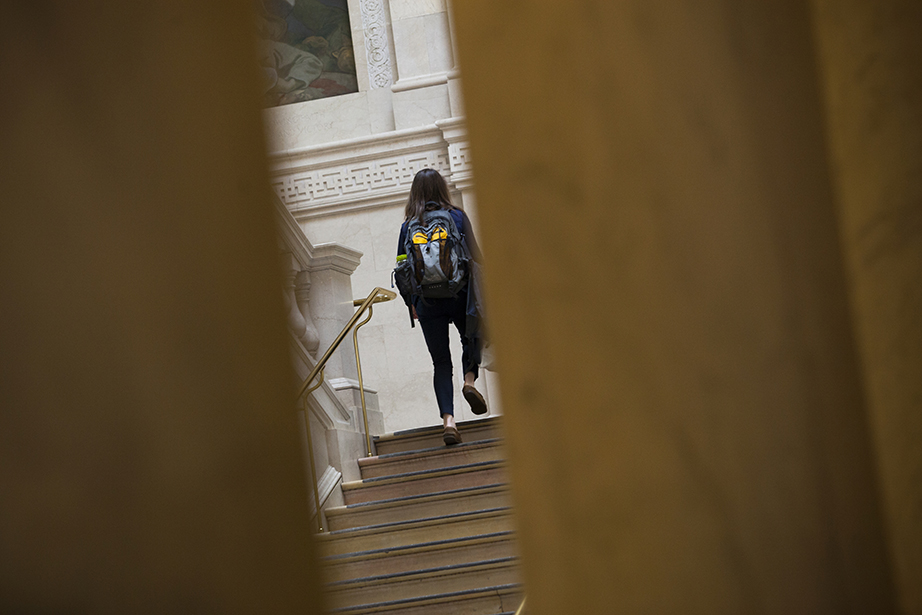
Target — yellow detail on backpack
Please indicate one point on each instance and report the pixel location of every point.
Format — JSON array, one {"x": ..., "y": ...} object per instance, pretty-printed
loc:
[{"x": 438, "y": 234}]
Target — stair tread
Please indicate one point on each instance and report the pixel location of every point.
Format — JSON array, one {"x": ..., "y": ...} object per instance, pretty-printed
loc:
[
  {"x": 435, "y": 450},
  {"x": 433, "y": 544},
  {"x": 392, "y": 565},
  {"x": 429, "y": 556},
  {"x": 422, "y": 573},
  {"x": 435, "y": 429},
  {"x": 431, "y": 455},
  {"x": 418, "y": 474},
  {"x": 508, "y": 588},
  {"x": 397, "y": 525},
  {"x": 339, "y": 510}
]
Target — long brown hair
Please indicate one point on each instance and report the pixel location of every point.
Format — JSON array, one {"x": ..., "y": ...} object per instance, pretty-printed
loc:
[{"x": 428, "y": 187}]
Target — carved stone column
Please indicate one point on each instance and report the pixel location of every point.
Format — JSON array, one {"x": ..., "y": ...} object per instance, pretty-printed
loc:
[
  {"x": 296, "y": 322},
  {"x": 302, "y": 289}
]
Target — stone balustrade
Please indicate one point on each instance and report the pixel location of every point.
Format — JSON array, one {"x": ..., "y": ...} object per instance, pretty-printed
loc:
[{"x": 317, "y": 293}]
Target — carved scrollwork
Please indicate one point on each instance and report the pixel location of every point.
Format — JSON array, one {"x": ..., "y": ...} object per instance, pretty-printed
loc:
[{"x": 377, "y": 45}]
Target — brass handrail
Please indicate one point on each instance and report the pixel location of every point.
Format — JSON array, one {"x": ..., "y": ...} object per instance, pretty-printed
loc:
[
  {"x": 378, "y": 295},
  {"x": 521, "y": 608}
]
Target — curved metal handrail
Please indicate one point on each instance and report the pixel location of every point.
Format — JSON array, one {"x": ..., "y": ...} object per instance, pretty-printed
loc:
[
  {"x": 378, "y": 295},
  {"x": 521, "y": 608}
]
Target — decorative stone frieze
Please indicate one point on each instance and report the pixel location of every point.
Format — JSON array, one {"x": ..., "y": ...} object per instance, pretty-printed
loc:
[{"x": 371, "y": 171}]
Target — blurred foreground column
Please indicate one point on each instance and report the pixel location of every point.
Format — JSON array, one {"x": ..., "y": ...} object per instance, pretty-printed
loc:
[
  {"x": 872, "y": 63},
  {"x": 683, "y": 399},
  {"x": 149, "y": 456}
]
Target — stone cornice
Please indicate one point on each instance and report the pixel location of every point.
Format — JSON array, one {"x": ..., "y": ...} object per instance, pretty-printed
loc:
[
  {"x": 454, "y": 129},
  {"x": 359, "y": 149},
  {"x": 335, "y": 256},
  {"x": 341, "y": 384}
]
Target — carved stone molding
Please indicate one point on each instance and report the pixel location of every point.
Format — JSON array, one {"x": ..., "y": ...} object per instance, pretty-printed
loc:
[
  {"x": 377, "y": 44},
  {"x": 359, "y": 173},
  {"x": 416, "y": 83},
  {"x": 351, "y": 182},
  {"x": 454, "y": 132},
  {"x": 341, "y": 384},
  {"x": 336, "y": 257}
]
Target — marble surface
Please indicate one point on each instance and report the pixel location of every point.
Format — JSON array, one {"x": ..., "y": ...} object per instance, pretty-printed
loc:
[
  {"x": 405, "y": 9},
  {"x": 411, "y": 46},
  {"x": 319, "y": 121},
  {"x": 421, "y": 106},
  {"x": 438, "y": 43}
]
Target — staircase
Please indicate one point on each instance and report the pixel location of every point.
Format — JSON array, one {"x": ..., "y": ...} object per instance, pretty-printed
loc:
[{"x": 428, "y": 529}]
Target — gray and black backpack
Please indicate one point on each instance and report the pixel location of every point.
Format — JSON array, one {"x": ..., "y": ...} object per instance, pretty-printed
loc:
[{"x": 437, "y": 258}]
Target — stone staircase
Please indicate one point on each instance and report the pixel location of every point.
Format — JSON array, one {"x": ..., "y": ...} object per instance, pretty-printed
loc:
[{"x": 428, "y": 529}]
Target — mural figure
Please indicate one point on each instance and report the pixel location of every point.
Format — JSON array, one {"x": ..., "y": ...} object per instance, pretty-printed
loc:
[{"x": 305, "y": 50}]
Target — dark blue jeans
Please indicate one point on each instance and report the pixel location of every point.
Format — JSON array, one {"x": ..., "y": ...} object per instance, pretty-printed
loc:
[{"x": 434, "y": 317}]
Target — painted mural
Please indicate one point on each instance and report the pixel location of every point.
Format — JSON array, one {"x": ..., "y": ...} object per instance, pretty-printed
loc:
[{"x": 305, "y": 50}]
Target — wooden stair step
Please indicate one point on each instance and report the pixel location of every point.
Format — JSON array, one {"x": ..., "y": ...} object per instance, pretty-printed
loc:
[
  {"x": 402, "y": 533},
  {"x": 380, "y": 556},
  {"x": 431, "y": 458},
  {"x": 418, "y": 506},
  {"x": 443, "y": 579},
  {"x": 424, "y": 481},
  {"x": 429, "y": 554},
  {"x": 431, "y": 437},
  {"x": 482, "y": 601}
]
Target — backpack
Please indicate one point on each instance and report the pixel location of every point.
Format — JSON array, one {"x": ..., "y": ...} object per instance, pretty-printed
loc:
[{"x": 437, "y": 259}]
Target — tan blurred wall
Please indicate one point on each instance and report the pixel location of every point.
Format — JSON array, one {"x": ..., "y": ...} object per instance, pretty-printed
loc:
[
  {"x": 871, "y": 55},
  {"x": 686, "y": 421},
  {"x": 149, "y": 459}
]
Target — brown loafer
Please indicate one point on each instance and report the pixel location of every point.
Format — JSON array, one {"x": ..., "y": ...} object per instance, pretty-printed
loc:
[
  {"x": 451, "y": 436},
  {"x": 475, "y": 399}
]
